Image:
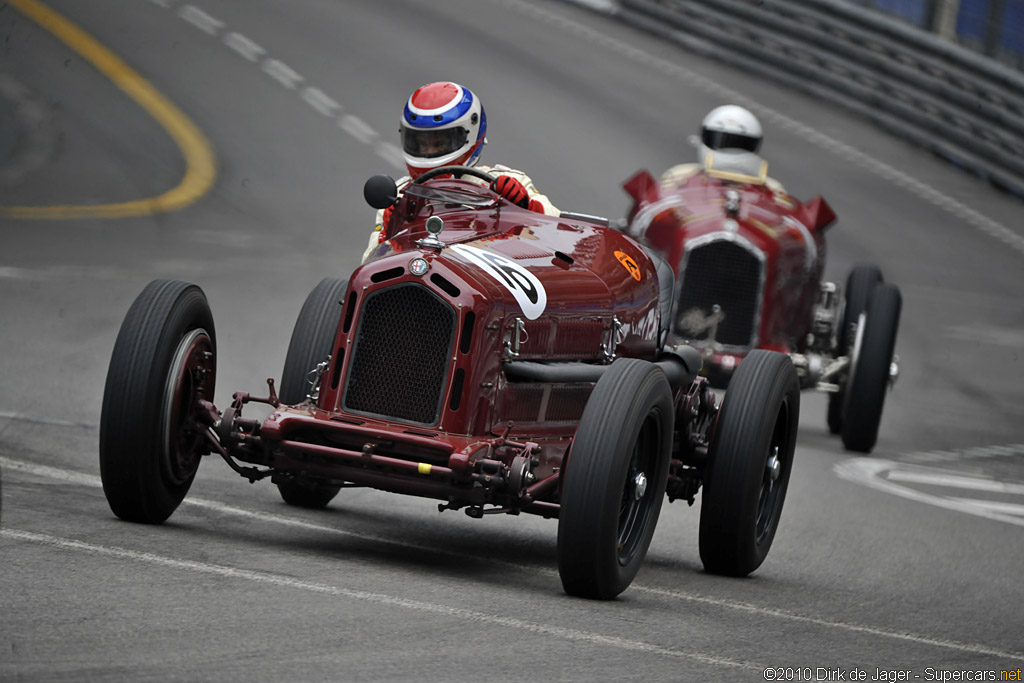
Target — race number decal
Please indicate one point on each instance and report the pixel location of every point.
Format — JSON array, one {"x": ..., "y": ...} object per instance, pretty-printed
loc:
[
  {"x": 629, "y": 264},
  {"x": 523, "y": 284}
]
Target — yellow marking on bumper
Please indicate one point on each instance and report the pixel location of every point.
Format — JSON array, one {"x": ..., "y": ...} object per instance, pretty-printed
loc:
[
  {"x": 424, "y": 468},
  {"x": 200, "y": 165}
]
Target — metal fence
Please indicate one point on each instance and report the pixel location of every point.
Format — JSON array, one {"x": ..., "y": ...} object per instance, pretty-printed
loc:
[{"x": 963, "y": 106}]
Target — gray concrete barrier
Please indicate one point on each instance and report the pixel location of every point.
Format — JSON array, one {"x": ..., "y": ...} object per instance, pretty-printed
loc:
[{"x": 962, "y": 106}]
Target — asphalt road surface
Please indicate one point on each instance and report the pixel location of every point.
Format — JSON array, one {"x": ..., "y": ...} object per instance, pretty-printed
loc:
[{"x": 225, "y": 142}]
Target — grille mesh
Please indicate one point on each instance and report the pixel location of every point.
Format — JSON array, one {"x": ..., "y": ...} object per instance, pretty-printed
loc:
[
  {"x": 400, "y": 357},
  {"x": 726, "y": 274}
]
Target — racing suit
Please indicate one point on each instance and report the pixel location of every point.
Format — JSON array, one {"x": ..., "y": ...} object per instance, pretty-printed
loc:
[
  {"x": 678, "y": 175},
  {"x": 376, "y": 236}
]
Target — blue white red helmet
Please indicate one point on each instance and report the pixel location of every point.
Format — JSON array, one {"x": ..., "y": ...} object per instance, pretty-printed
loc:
[{"x": 443, "y": 124}]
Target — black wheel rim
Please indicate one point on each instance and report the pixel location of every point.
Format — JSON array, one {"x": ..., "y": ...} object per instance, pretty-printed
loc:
[
  {"x": 189, "y": 379},
  {"x": 637, "y": 500},
  {"x": 774, "y": 476}
]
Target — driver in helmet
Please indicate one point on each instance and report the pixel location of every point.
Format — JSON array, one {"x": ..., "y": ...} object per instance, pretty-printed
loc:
[
  {"x": 444, "y": 124},
  {"x": 730, "y": 137}
]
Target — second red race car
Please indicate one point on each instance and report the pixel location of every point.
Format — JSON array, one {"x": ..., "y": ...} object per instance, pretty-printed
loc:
[{"x": 749, "y": 261}]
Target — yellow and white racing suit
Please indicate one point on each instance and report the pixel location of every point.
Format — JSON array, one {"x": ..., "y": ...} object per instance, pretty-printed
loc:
[{"x": 496, "y": 170}]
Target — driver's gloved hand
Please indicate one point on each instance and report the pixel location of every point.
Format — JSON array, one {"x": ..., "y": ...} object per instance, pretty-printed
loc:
[
  {"x": 512, "y": 190},
  {"x": 382, "y": 227}
]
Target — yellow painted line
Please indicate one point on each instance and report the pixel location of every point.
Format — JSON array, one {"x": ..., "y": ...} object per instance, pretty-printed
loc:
[{"x": 200, "y": 165}]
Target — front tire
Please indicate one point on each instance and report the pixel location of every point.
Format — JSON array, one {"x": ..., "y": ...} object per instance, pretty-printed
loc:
[
  {"x": 312, "y": 338},
  {"x": 151, "y": 438},
  {"x": 310, "y": 345},
  {"x": 749, "y": 464},
  {"x": 614, "y": 480},
  {"x": 869, "y": 372},
  {"x": 860, "y": 283}
]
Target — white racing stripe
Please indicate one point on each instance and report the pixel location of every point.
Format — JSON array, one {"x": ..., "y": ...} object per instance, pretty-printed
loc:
[{"x": 91, "y": 480}]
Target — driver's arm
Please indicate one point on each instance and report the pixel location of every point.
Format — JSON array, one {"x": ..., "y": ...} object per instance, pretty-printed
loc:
[{"x": 538, "y": 202}]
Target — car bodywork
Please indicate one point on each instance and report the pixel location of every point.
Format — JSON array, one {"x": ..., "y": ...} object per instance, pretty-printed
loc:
[
  {"x": 749, "y": 261},
  {"x": 463, "y": 363}
]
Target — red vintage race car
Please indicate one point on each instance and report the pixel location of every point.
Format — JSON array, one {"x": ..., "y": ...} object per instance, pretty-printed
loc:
[
  {"x": 748, "y": 260},
  {"x": 491, "y": 358}
]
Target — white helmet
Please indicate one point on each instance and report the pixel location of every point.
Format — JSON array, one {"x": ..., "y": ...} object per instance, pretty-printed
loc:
[
  {"x": 731, "y": 127},
  {"x": 730, "y": 137}
]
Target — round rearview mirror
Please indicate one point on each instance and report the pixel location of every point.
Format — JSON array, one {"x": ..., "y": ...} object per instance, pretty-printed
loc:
[{"x": 380, "y": 191}]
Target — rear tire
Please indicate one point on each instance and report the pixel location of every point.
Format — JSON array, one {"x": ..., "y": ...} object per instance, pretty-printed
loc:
[
  {"x": 749, "y": 464},
  {"x": 613, "y": 481},
  {"x": 163, "y": 363},
  {"x": 868, "y": 382},
  {"x": 311, "y": 342},
  {"x": 859, "y": 285},
  {"x": 304, "y": 494}
]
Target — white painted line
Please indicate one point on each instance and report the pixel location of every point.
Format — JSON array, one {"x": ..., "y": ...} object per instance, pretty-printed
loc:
[
  {"x": 12, "y": 273},
  {"x": 993, "y": 506},
  {"x": 986, "y": 334},
  {"x": 868, "y": 472},
  {"x": 94, "y": 481},
  {"x": 282, "y": 73},
  {"x": 1007, "y": 450},
  {"x": 461, "y": 615},
  {"x": 855, "y": 628},
  {"x": 953, "y": 480},
  {"x": 200, "y": 19},
  {"x": 33, "y": 419},
  {"x": 244, "y": 46},
  {"x": 358, "y": 129},
  {"x": 931, "y": 456},
  {"x": 320, "y": 101},
  {"x": 316, "y": 98},
  {"x": 166, "y": 4}
]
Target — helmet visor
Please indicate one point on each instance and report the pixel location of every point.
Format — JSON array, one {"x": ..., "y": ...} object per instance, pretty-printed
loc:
[
  {"x": 429, "y": 144},
  {"x": 717, "y": 139}
]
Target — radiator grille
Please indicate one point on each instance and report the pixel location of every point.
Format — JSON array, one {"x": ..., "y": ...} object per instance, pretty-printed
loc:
[
  {"x": 723, "y": 273},
  {"x": 401, "y": 355}
]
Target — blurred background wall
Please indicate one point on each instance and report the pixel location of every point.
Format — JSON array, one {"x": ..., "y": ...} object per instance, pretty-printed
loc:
[{"x": 994, "y": 28}]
